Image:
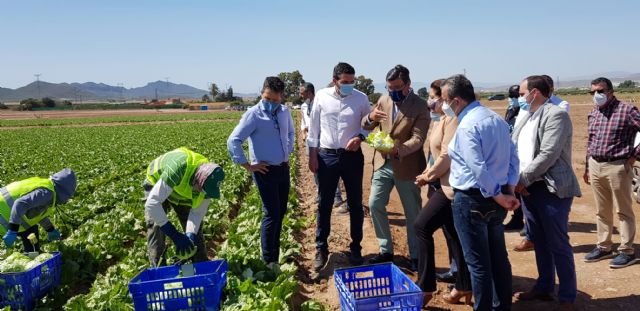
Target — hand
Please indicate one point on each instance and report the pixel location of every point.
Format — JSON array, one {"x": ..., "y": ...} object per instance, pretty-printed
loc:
[
  {"x": 192, "y": 236},
  {"x": 393, "y": 153},
  {"x": 313, "y": 161},
  {"x": 507, "y": 201},
  {"x": 184, "y": 246},
  {"x": 353, "y": 144},
  {"x": 421, "y": 180},
  {"x": 10, "y": 238},
  {"x": 585, "y": 177},
  {"x": 258, "y": 167},
  {"x": 54, "y": 235},
  {"x": 377, "y": 114},
  {"x": 520, "y": 188}
]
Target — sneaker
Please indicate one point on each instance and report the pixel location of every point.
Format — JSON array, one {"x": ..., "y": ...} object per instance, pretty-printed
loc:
[
  {"x": 381, "y": 258},
  {"x": 355, "y": 258},
  {"x": 446, "y": 277},
  {"x": 598, "y": 254},
  {"x": 321, "y": 260},
  {"x": 342, "y": 210},
  {"x": 623, "y": 260}
]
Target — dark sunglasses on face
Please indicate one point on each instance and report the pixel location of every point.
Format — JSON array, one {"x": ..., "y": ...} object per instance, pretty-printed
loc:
[{"x": 597, "y": 91}]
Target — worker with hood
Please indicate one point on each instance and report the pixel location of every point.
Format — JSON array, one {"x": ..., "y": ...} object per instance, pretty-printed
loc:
[
  {"x": 184, "y": 181},
  {"x": 25, "y": 204}
]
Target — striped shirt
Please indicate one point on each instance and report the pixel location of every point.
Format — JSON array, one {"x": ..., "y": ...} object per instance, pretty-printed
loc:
[{"x": 612, "y": 130}]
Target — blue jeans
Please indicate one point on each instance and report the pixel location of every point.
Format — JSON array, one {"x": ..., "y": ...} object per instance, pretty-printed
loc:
[
  {"x": 349, "y": 166},
  {"x": 274, "y": 192},
  {"x": 478, "y": 221},
  {"x": 548, "y": 219}
]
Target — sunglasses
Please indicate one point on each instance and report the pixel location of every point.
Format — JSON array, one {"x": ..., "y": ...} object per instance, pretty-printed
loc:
[{"x": 597, "y": 91}]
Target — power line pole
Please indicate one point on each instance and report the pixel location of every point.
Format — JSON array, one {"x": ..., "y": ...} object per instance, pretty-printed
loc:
[
  {"x": 37, "y": 75},
  {"x": 464, "y": 72},
  {"x": 121, "y": 86},
  {"x": 167, "y": 91}
]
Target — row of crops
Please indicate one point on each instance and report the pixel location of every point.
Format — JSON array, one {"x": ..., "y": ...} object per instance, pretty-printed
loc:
[
  {"x": 104, "y": 244},
  {"x": 158, "y": 117}
]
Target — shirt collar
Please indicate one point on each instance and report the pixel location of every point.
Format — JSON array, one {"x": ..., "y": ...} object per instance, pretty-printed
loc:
[{"x": 467, "y": 109}]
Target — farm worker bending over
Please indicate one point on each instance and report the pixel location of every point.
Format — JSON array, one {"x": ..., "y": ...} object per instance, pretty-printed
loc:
[
  {"x": 184, "y": 181},
  {"x": 25, "y": 204}
]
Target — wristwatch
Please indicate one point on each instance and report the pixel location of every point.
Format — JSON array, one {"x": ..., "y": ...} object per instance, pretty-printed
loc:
[{"x": 362, "y": 138}]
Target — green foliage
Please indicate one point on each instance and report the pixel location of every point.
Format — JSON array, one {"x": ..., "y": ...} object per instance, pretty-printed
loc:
[
  {"x": 292, "y": 82},
  {"x": 364, "y": 85},
  {"x": 214, "y": 90},
  {"x": 627, "y": 84},
  {"x": 205, "y": 98},
  {"x": 48, "y": 102},
  {"x": 423, "y": 92},
  {"x": 29, "y": 104},
  {"x": 3, "y": 106},
  {"x": 373, "y": 98}
]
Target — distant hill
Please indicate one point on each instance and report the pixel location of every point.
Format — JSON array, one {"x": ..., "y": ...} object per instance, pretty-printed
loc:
[{"x": 93, "y": 91}]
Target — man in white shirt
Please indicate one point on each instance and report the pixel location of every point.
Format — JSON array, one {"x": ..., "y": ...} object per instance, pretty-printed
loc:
[
  {"x": 334, "y": 139},
  {"x": 308, "y": 93}
]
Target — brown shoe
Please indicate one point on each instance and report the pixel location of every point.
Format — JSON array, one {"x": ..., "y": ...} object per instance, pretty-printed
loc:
[
  {"x": 524, "y": 246},
  {"x": 565, "y": 307},
  {"x": 533, "y": 295}
]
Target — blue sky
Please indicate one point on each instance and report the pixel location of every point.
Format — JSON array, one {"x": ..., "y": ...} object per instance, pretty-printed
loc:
[{"x": 241, "y": 42}]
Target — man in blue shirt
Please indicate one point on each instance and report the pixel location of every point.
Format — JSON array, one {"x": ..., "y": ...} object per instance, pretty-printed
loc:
[
  {"x": 484, "y": 172},
  {"x": 268, "y": 126}
]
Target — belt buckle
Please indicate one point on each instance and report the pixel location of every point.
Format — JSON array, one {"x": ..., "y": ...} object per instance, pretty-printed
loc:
[{"x": 340, "y": 151}]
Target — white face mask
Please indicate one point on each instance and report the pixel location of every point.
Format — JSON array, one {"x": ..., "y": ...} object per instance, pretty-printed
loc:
[
  {"x": 599, "y": 99},
  {"x": 448, "y": 110}
]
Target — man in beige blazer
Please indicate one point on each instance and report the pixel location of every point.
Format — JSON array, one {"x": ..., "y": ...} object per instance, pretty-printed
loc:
[{"x": 404, "y": 116}]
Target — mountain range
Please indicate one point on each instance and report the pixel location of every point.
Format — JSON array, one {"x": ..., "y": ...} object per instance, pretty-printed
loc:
[{"x": 98, "y": 91}]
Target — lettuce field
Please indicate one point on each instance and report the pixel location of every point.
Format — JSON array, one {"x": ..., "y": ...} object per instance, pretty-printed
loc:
[{"x": 104, "y": 244}]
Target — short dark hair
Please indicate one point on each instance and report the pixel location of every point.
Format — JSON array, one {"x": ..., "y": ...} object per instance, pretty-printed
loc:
[
  {"x": 548, "y": 80},
  {"x": 436, "y": 85},
  {"x": 274, "y": 84},
  {"x": 603, "y": 80},
  {"x": 459, "y": 86},
  {"x": 341, "y": 68},
  {"x": 514, "y": 91},
  {"x": 308, "y": 87},
  {"x": 540, "y": 83},
  {"x": 399, "y": 71}
]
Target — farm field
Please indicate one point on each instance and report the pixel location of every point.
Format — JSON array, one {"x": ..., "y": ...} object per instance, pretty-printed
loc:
[{"x": 103, "y": 232}]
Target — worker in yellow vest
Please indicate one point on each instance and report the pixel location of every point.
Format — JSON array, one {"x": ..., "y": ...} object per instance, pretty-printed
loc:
[
  {"x": 25, "y": 204},
  {"x": 184, "y": 181}
]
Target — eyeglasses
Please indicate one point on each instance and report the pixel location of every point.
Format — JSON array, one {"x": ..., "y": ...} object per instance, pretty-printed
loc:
[{"x": 597, "y": 91}]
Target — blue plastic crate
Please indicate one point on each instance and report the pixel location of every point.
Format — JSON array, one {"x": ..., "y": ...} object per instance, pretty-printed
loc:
[
  {"x": 21, "y": 290},
  {"x": 162, "y": 289},
  {"x": 377, "y": 287}
]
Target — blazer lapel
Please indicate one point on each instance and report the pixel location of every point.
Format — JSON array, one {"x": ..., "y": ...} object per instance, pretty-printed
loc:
[{"x": 400, "y": 115}]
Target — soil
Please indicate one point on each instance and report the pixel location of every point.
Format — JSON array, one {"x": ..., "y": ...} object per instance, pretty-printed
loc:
[{"x": 599, "y": 287}]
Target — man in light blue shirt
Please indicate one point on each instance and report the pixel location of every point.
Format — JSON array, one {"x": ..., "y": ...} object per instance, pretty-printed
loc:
[
  {"x": 268, "y": 126},
  {"x": 484, "y": 172}
]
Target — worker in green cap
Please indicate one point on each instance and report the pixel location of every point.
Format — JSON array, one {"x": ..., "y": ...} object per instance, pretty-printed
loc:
[{"x": 184, "y": 181}]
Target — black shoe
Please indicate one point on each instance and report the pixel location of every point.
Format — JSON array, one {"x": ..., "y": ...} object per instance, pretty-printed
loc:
[
  {"x": 321, "y": 260},
  {"x": 446, "y": 277},
  {"x": 355, "y": 258},
  {"x": 514, "y": 225},
  {"x": 381, "y": 258}
]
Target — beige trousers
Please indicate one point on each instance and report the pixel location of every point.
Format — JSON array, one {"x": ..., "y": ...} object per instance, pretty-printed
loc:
[{"x": 611, "y": 185}]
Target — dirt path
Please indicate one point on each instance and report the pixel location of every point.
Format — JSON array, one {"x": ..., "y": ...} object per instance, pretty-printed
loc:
[{"x": 599, "y": 287}]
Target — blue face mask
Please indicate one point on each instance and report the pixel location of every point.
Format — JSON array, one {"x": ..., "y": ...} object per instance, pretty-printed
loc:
[
  {"x": 397, "y": 96},
  {"x": 434, "y": 116},
  {"x": 271, "y": 106},
  {"x": 524, "y": 105},
  {"x": 346, "y": 89}
]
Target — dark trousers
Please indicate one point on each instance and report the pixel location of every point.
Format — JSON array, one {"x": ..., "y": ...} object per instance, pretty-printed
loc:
[
  {"x": 548, "y": 220},
  {"x": 349, "y": 166},
  {"x": 478, "y": 221},
  {"x": 28, "y": 246},
  {"x": 435, "y": 215},
  {"x": 274, "y": 192}
]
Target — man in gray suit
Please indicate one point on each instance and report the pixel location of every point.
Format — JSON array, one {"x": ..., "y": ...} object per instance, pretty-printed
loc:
[{"x": 548, "y": 185}]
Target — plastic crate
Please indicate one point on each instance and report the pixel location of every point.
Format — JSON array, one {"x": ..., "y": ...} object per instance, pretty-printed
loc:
[
  {"x": 377, "y": 287},
  {"x": 162, "y": 289},
  {"x": 21, "y": 290}
]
